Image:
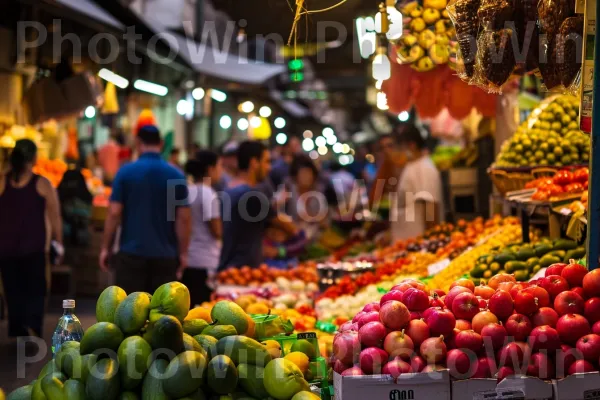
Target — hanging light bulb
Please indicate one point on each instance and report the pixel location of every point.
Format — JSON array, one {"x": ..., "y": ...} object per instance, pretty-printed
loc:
[{"x": 382, "y": 69}]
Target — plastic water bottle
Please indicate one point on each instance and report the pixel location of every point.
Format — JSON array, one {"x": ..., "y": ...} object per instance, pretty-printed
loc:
[{"x": 68, "y": 328}]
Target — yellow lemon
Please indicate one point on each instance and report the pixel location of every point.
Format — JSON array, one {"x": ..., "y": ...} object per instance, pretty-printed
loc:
[{"x": 300, "y": 359}]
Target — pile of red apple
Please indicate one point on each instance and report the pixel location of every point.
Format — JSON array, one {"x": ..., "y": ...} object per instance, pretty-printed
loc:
[{"x": 547, "y": 328}]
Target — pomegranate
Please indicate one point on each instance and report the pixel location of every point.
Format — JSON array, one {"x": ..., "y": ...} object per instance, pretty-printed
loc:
[
  {"x": 483, "y": 303},
  {"x": 464, "y": 282},
  {"x": 540, "y": 366},
  {"x": 574, "y": 274},
  {"x": 348, "y": 326},
  {"x": 571, "y": 327},
  {"x": 417, "y": 284},
  {"x": 460, "y": 365},
  {"x": 485, "y": 368},
  {"x": 465, "y": 306},
  {"x": 463, "y": 325},
  {"x": 482, "y": 319},
  {"x": 372, "y": 316},
  {"x": 425, "y": 314},
  {"x": 511, "y": 355},
  {"x": 394, "y": 315},
  {"x": 441, "y": 322},
  {"x": 418, "y": 331},
  {"x": 449, "y": 339},
  {"x": 371, "y": 307},
  {"x": 544, "y": 338},
  {"x": 358, "y": 316},
  {"x": 526, "y": 303},
  {"x": 569, "y": 303},
  {"x": 591, "y": 310},
  {"x": 415, "y": 299},
  {"x": 346, "y": 345},
  {"x": 504, "y": 372},
  {"x": 596, "y": 328},
  {"x": 518, "y": 326},
  {"x": 501, "y": 304},
  {"x": 484, "y": 291},
  {"x": 506, "y": 286},
  {"x": 589, "y": 346},
  {"x": 396, "y": 367},
  {"x": 339, "y": 366},
  {"x": 433, "y": 350},
  {"x": 565, "y": 357},
  {"x": 494, "y": 336},
  {"x": 554, "y": 285},
  {"x": 354, "y": 371},
  {"x": 436, "y": 301},
  {"x": 417, "y": 363},
  {"x": 398, "y": 344},
  {"x": 455, "y": 291},
  {"x": 439, "y": 292},
  {"x": 372, "y": 360},
  {"x": 391, "y": 295},
  {"x": 581, "y": 366},
  {"x": 372, "y": 334},
  {"x": 555, "y": 269},
  {"x": 469, "y": 340},
  {"x": 545, "y": 316}
]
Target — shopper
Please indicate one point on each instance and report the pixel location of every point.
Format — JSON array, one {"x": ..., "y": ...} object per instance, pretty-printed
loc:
[
  {"x": 281, "y": 166},
  {"x": 174, "y": 157},
  {"x": 418, "y": 201},
  {"x": 207, "y": 229},
  {"x": 247, "y": 208},
  {"x": 27, "y": 203},
  {"x": 229, "y": 163},
  {"x": 149, "y": 202}
]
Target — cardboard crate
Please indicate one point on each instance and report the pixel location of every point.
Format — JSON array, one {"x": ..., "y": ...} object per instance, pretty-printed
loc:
[
  {"x": 511, "y": 388},
  {"x": 431, "y": 386},
  {"x": 585, "y": 386}
]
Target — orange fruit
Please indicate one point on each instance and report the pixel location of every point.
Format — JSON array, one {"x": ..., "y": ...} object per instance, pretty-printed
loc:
[{"x": 300, "y": 359}]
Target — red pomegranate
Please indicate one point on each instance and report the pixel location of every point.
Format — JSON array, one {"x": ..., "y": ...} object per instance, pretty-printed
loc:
[
  {"x": 417, "y": 363},
  {"x": 484, "y": 291},
  {"x": 526, "y": 303},
  {"x": 394, "y": 315},
  {"x": 463, "y": 325},
  {"x": 391, "y": 295},
  {"x": 372, "y": 360},
  {"x": 441, "y": 322},
  {"x": 372, "y": 334},
  {"x": 433, "y": 350},
  {"x": 460, "y": 365},
  {"x": 371, "y": 316},
  {"x": 415, "y": 299},
  {"x": 398, "y": 344},
  {"x": 596, "y": 328},
  {"x": 469, "y": 340},
  {"x": 354, "y": 371},
  {"x": 371, "y": 307},
  {"x": 504, "y": 372},
  {"x": 482, "y": 319},
  {"x": 418, "y": 331},
  {"x": 455, "y": 291},
  {"x": 396, "y": 367},
  {"x": 346, "y": 346},
  {"x": 486, "y": 368}
]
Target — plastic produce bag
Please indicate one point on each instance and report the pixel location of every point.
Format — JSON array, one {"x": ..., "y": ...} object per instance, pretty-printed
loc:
[
  {"x": 569, "y": 45},
  {"x": 463, "y": 14},
  {"x": 496, "y": 58},
  {"x": 494, "y": 14}
]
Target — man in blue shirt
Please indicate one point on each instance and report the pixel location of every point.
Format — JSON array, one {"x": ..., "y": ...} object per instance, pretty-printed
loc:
[
  {"x": 149, "y": 201},
  {"x": 247, "y": 208}
]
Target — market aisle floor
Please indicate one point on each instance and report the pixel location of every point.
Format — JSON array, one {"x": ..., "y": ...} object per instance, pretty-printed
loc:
[{"x": 9, "y": 379}]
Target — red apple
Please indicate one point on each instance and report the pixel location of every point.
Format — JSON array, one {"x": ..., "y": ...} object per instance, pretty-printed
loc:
[
  {"x": 449, "y": 339},
  {"x": 398, "y": 344},
  {"x": 468, "y": 340},
  {"x": 417, "y": 363},
  {"x": 441, "y": 322},
  {"x": 433, "y": 350},
  {"x": 402, "y": 287},
  {"x": 581, "y": 366},
  {"x": 464, "y": 282},
  {"x": 482, "y": 319},
  {"x": 540, "y": 366},
  {"x": 371, "y": 316},
  {"x": 465, "y": 306},
  {"x": 439, "y": 292},
  {"x": 592, "y": 310},
  {"x": 394, "y": 315},
  {"x": 436, "y": 301},
  {"x": 484, "y": 291},
  {"x": 339, "y": 366},
  {"x": 511, "y": 355},
  {"x": 517, "y": 288},
  {"x": 571, "y": 327},
  {"x": 541, "y": 295},
  {"x": 346, "y": 346},
  {"x": 415, "y": 315},
  {"x": 372, "y": 360},
  {"x": 459, "y": 363},
  {"x": 579, "y": 291},
  {"x": 518, "y": 326},
  {"x": 494, "y": 336},
  {"x": 486, "y": 368},
  {"x": 372, "y": 334},
  {"x": 418, "y": 331},
  {"x": 554, "y": 285},
  {"x": 391, "y": 295},
  {"x": 544, "y": 338},
  {"x": 417, "y": 284},
  {"x": 565, "y": 357},
  {"x": 569, "y": 303},
  {"x": 396, "y": 367},
  {"x": 501, "y": 304},
  {"x": 358, "y": 316},
  {"x": 574, "y": 274},
  {"x": 504, "y": 372},
  {"x": 545, "y": 316},
  {"x": 425, "y": 314},
  {"x": 526, "y": 303},
  {"x": 415, "y": 299},
  {"x": 555, "y": 269},
  {"x": 455, "y": 291},
  {"x": 354, "y": 371},
  {"x": 596, "y": 328},
  {"x": 483, "y": 303},
  {"x": 371, "y": 307},
  {"x": 589, "y": 346},
  {"x": 463, "y": 325}
]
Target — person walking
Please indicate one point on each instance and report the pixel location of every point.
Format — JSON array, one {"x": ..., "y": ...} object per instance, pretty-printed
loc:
[
  {"x": 30, "y": 215},
  {"x": 207, "y": 228},
  {"x": 149, "y": 202}
]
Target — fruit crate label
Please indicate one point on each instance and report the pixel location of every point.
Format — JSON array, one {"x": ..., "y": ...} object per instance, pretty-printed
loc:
[
  {"x": 307, "y": 335},
  {"x": 587, "y": 72},
  {"x": 500, "y": 394},
  {"x": 592, "y": 394},
  {"x": 435, "y": 268}
]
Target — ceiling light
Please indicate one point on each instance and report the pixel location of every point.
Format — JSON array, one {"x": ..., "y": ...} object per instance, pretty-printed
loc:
[
  {"x": 242, "y": 124},
  {"x": 217, "y": 95},
  {"x": 404, "y": 116},
  {"x": 90, "y": 112},
  {"x": 320, "y": 141},
  {"x": 183, "y": 107},
  {"x": 198, "y": 93},
  {"x": 281, "y": 138},
  {"x": 265, "y": 111},
  {"x": 279, "y": 123},
  {"x": 225, "y": 122},
  {"x": 308, "y": 144},
  {"x": 113, "y": 78},
  {"x": 150, "y": 87},
  {"x": 246, "y": 107}
]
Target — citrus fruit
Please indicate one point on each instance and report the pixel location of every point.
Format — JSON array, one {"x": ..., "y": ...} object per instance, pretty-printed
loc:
[{"x": 300, "y": 359}]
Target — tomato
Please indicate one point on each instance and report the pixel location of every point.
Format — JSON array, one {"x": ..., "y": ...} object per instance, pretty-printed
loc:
[
  {"x": 553, "y": 190},
  {"x": 563, "y": 177},
  {"x": 574, "y": 188},
  {"x": 540, "y": 195},
  {"x": 581, "y": 175}
]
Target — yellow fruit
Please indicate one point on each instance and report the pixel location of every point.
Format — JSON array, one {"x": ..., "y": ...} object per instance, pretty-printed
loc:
[
  {"x": 300, "y": 359},
  {"x": 273, "y": 347},
  {"x": 436, "y": 4},
  {"x": 406, "y": 10},
  {"x": 416, "y": 52},
  {"x": 439, "y": 53},
  {"x": 426, "y": 39},
  {"x": 305, "y": 395},
  {"x": 445, "y": 14},
  {"x": 440, "y": 26},
  {"x": 409, "y": 39},
  {"x": 199, "y": 313},
  {"x": 430, "y": 16},
  {"x": 425, "y": 64},
  {"x": 416, "y": 12},
  {"x": 257, "y": 308},
  {"x": 417, "y": 25}
]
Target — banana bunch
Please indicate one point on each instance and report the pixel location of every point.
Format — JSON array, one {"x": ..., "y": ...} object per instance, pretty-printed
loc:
[{"x": 427, "y": 41}]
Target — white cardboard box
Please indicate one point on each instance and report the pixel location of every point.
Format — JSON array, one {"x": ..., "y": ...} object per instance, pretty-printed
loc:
[
  {"x": 513, "y": 388},
  {"x": 432, "y": 386},
  {"x": 584, "y": 386}
]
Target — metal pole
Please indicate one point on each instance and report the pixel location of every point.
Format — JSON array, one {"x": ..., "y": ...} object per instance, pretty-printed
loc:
[{"x": 593, "y": 227}]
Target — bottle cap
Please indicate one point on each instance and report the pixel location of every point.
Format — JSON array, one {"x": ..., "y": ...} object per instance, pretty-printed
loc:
[{"x": 68, "y": 303}]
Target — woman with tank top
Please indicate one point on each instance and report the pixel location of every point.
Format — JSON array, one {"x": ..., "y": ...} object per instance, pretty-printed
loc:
[{"x": 29, "y": 218}]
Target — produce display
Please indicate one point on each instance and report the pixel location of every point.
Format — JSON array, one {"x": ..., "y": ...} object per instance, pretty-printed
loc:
[
  {"x": 245, "y": 276},
  {"x": 163, "y": 350},
  {"x": 427, "y": 41},
  {"x": 546, "y": 328},
  {"x": 564, "y": 182},
  {"x": 549, "y": 137}
]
